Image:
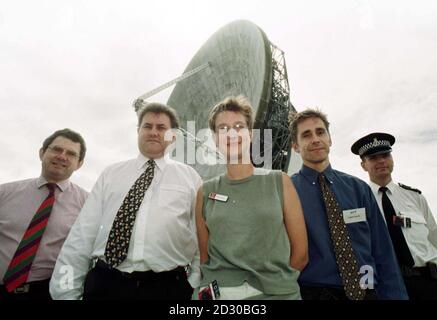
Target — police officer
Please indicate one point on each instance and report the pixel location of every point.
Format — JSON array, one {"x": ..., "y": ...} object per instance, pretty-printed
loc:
[{"x": 410, "y": 222}]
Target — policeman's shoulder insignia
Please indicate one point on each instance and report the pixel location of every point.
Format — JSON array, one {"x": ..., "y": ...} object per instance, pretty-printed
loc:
[{"x": 409, "y": 188}]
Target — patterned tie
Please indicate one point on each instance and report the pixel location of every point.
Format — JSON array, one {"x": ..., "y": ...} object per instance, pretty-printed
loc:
[
  {"x": 19, "y": 267},
  {"x": 344, "y": 253},
  {"x": 403, "y": 254},
  {"x": 120, "y": 234}
]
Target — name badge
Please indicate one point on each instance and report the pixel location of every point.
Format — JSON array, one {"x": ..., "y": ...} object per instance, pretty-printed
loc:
[
  {"x": 402, "y": 221},
  {"x": 354, "y": 215},
  {"x": 219, "y": 197}
]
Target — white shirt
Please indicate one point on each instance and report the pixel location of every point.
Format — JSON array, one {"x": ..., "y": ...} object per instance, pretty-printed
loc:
[
  {"x": 164, "y": 235},
  {"x": 422, "y": 236}
]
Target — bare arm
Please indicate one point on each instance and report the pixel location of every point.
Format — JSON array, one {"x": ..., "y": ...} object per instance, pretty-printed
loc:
[
  {"x": 295, "y": 225},
  {"x": 202, "y": 230}
]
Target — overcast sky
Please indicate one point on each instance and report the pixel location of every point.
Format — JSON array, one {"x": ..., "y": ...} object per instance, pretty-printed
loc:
[{"x": 370, "y": 65}]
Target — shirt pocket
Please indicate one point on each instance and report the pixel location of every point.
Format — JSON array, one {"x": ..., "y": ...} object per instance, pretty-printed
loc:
[
  {"x": 418, "y": 233},
  {"x": 175, "y": 199},
  {"x": 415, "y": 217}
]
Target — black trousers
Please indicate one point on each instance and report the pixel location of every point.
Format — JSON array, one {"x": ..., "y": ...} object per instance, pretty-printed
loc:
[
  {"x": 330, "y": 293},
  {"x": 106, "y": 283},
  {"x": 421, "y": 288},
  {"x": 36, "y": 290},
  {"x": 421, "y": 282}
]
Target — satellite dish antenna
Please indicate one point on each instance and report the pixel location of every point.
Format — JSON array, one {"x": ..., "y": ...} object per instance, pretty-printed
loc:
[
  {"x": 237, "y": 59},
  {"x": 141, "y": 99}
]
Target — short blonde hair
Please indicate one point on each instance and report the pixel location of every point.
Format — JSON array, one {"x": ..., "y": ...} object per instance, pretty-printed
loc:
[{"x": 238, "y": 104}]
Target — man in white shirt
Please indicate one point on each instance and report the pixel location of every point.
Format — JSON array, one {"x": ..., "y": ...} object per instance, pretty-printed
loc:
[
  {"x": 411, "y": 225},
  {"x": 144, "y": 206}
]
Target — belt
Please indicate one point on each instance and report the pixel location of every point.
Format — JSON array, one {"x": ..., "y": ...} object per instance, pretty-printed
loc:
[
  {"x": 142, "y": 275},
  {"x": 29, "y": 287}
]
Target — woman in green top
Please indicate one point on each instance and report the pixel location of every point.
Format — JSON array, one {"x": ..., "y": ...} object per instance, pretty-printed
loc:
[{"x": 251, "y": 230}]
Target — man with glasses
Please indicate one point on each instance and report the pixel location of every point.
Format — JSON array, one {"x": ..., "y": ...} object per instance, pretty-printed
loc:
[{"x": 36, "y": 216}]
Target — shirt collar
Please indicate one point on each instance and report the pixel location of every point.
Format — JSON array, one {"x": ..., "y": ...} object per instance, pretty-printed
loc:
[
  {"x": 313, "y": 175},
  {"x": 375, "y": 187},
  {"x": 63, "y": 185},
  {"x": 161, "y": 163}
]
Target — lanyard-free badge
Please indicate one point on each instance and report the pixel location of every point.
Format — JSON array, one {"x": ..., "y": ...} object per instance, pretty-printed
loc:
[{"x": 218, "y": 197}]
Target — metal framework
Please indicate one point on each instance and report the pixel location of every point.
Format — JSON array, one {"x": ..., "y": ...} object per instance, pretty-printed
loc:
[
  {"x": 137, "y": 103},
  {"x": 279, "y": 108}
]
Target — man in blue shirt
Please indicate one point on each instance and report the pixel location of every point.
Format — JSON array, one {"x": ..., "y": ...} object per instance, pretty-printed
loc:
[{"x": 370, "y": 268}]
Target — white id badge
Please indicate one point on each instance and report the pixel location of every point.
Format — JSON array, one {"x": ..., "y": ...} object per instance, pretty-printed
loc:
[
  {"x": 354, "y": 215},
  {"x": 219, "y": 197}
]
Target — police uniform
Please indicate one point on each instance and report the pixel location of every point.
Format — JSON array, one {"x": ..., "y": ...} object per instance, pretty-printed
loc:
[{"x": 413, "y": 216}]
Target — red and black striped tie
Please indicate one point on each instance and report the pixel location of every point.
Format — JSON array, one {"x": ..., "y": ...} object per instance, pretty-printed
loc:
[{"x": 19, "y": 267}]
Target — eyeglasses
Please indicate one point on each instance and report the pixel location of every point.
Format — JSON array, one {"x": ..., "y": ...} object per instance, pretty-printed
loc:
[
  {"x": 222, "y": 129},
  {"x": 58, "y": 151}
]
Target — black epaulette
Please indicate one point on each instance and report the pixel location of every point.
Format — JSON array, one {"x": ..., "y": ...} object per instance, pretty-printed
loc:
[{"x": 409, "y": 188}]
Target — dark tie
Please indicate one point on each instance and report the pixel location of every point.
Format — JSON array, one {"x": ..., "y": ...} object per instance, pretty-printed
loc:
[
  {"x": 403, "y": 254},
  {"x": 344, "y": 253},
  {"x": 120, "y": 234},
  {"x": 19, "y": 267}
]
